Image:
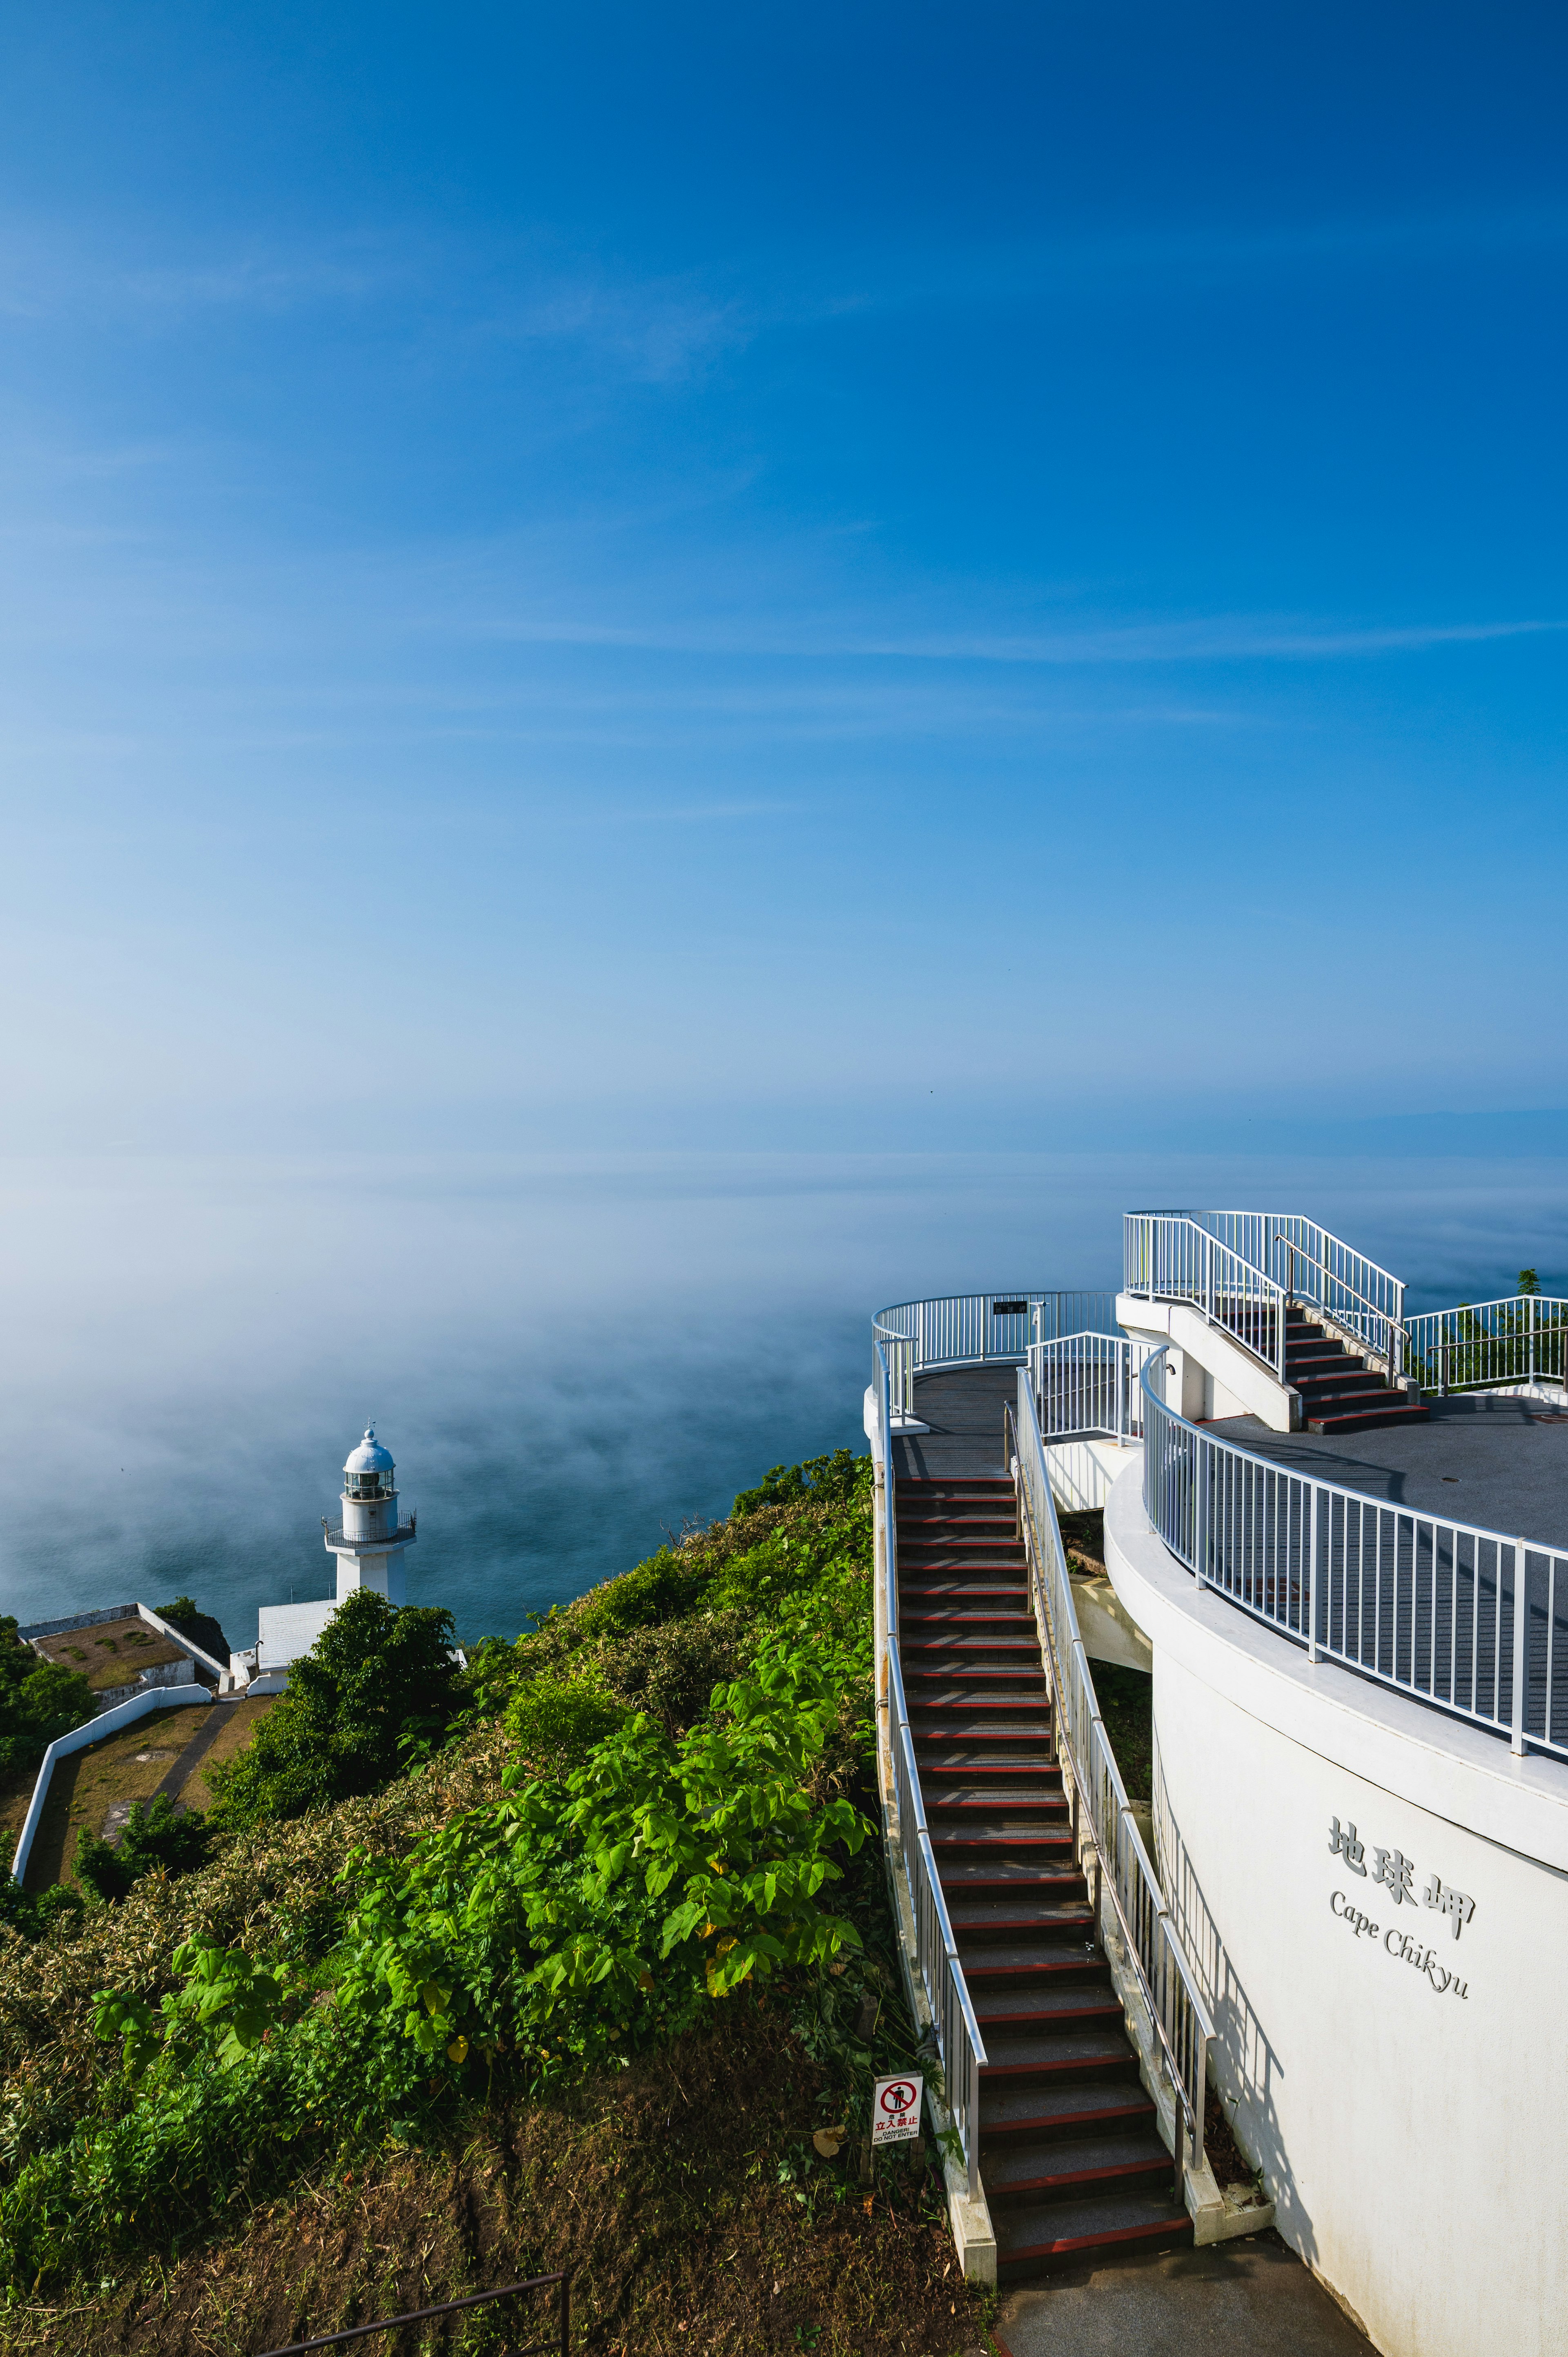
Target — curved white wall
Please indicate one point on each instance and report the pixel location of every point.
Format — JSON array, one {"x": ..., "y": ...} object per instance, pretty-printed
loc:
[{"x": 1412, "y": 2133}]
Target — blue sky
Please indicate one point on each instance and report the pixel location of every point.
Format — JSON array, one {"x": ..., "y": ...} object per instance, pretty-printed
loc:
[{"x": 786, "y": 578}]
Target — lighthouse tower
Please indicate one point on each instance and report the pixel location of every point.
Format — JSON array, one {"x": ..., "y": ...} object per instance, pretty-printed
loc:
[{"x": 371, "y": 1542}]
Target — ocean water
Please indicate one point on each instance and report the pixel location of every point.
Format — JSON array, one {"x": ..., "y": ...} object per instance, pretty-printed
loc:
[{"x": 569, "y": 1355}]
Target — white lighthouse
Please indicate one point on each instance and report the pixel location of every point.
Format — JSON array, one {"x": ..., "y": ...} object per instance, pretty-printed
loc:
[{"x": 370, "y": 1541}]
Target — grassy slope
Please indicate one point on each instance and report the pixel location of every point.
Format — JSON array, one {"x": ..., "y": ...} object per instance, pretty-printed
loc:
[{"x": 685, "y": 2190}]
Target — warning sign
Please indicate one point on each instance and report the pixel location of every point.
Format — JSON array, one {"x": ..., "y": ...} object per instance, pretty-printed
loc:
[{"x": 896, "y": 2109}]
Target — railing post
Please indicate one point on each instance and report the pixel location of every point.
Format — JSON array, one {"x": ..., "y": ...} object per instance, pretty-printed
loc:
[
  {"x": 1200, "y": 1516},
  {"x": 1532, "y": 1299},
  {"x": 1312, "y": 1581},
  {"x": 1521, "y": 1644}
]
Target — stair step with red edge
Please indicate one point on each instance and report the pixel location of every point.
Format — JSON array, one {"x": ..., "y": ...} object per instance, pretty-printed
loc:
[
  {"x": 1058, "y": 2171},
  {"x": 1373, "y": 1419},
  {"x": 967, "y": 1803},
  {"x": 1000, "y": 1967},
  {"x": 1074, "y": 2054},
  {"x": 982, "y": 1924},
  {"x": 1032, "y": 2240},
  {"x": 1061, "y": 2112},
  {"x": 961, "y": 1841},
  {"x": 1011, "y": 1878},
  {"x": 1043, "y": 2013}
]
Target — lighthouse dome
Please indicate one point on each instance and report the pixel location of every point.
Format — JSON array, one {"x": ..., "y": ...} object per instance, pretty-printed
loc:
[{"x": 370, "y": 1456}]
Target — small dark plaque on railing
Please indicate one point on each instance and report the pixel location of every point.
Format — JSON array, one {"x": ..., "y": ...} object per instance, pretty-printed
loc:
[{"x": 1008, "y": 1309}]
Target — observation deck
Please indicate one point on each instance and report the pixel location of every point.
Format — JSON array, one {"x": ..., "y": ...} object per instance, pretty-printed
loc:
[{"x": 1346, "y": 1921}]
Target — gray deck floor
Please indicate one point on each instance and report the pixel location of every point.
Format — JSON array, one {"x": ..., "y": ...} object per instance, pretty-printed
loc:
[
  {"x": 1499, "y": 1463},
  {"x": 964, "y": 1411}
]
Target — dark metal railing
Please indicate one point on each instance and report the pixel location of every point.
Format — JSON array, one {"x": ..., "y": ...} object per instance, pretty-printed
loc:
[{"x": 559, "y": 2341}]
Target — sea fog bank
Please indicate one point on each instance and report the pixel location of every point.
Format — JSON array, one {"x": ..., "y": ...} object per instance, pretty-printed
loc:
[{"x": 568, "y": 1354}]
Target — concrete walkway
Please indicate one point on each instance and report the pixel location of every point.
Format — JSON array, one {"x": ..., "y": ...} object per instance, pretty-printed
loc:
[{"x": 1250, "y": 2299}]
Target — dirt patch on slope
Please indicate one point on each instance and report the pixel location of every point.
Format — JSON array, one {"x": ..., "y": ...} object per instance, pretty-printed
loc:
[{"x": 684, "y": 2193}]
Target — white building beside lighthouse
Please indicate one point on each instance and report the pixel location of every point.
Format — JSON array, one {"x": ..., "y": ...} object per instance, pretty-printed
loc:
[{"x": 369, "y": 1543}]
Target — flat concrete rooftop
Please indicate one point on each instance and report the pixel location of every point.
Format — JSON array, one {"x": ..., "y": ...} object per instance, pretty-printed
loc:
[{"x": 1501, "y": 1463}]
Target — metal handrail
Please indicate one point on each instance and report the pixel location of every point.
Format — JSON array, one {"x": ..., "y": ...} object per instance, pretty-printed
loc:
[
  {"x": 1087, "y": 1384},
  {"x": 561, "y": 2342},
  {"x": 1173, "y": 1257},
  {"x": 1124, "y": 1872},
  {"x": 1464, "y": 1620},
  {"x": 1310, "y": 1264},
  {"x": 958, "y": 2042},
  {"x": 1519, "y": 1340}
]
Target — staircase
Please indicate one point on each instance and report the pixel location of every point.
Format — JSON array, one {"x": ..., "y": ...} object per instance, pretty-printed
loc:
[
  {"x": 1339, "y": 1393},
  {"x": 1070, "y": 2152}
]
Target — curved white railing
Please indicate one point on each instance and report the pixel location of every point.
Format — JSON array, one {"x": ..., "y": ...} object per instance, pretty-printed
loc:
[
  {"x": 960, "y": 2044},
  {"x": 971, "y": 1329},
  {"x": 1468, "y": 1621},
  {"x": 1485, "y": 1343},
  {"x": 1255, "y": 1263},
  {"x": 1123, "y": 1872}
]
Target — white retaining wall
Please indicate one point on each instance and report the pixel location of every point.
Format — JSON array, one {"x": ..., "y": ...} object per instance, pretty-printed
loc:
[
  {"x": 1081, "y": 1471},
  {"x": 1403, "y": 2089},
  {"x": 92, "y": 1731}
]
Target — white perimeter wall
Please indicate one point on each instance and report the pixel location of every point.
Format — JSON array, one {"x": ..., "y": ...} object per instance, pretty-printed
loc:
[{"x": 1411, "y": 2136}]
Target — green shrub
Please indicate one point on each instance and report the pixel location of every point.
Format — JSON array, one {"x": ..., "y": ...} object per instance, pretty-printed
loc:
[
  {"x": 830, "y": 1480},
  {"x": 154, "y": 1837},
  {"x": 380, "y": 1679},
  {"x": 31, "y": 1915},
  {"x": 671, "y": 1672},
  {"x": 556, "y": 1721},
  {"x": 668, "y": 1584}
]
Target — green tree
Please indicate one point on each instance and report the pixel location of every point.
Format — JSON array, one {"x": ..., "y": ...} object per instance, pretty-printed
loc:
[
  {"x": 382, "y": 1683},
  {"x": 38, "y": 1701},
  {"x": 156, "y": 1834}
]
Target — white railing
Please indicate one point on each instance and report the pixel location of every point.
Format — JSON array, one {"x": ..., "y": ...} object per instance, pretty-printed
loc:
[
  {"x": 960, "y": 2044},
  {"x": 1125, "y": 1873},
  {"x": 1172, "y": 1257},
  {"x": 1469, "y": 1621},
  {"x": 1088, "y": 1384},
  {"x": 1485, "y": 1343},
  {"x": 1300, "y": 1260},
  {"x": 967, "y": 1330}
]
